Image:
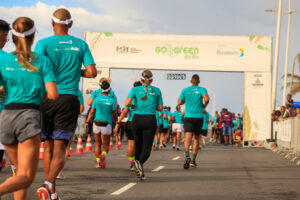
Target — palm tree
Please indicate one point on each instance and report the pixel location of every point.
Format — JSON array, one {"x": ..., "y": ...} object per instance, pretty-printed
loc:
[{"x": 294, "y": 84}]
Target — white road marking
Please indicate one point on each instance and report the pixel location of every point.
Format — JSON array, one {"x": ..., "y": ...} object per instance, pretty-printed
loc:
[
  {"x": 176, "y": 158},
  {"x": 158, "y": 168},
  {"x": 123, "y": 189}
]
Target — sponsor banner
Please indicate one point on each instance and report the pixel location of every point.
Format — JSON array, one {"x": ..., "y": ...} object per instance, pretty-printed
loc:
[{"x": 228, "y": 53}]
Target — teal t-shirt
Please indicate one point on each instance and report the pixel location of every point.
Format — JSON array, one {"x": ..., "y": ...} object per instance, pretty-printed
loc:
[
  {"x": 178, "y": 117},
  {"x": 214, "y": 119},
  {"x": 130, "y": 113},
  {"x": 21, "y": 85},
  {"x": 236, "y": 123},
  {"x": 166, "y": 121},
  {"x": 80, "y": 97},
  {"x": 193, "y": 98},
  {"x": 2, "y": 52},
  {"x": 97, "y": 93},
  {"x": 67, "y": 54},
  {"x": 158, "y": 120},
  {"x": 2, "y": 103},
  {"x": 206, "y": 118},
  {"x": 147, "y": 107},
  {"x": 104, "y": 106}
]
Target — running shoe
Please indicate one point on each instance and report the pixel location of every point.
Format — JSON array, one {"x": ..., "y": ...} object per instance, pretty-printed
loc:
[
  {"x": 187, "y": 162},
  {"x": 43, "y": 193},
  {"x": 138, "y": 169},
  {"x": 177, "y": 148},
  {"x": 193, "y": 164},
  {"x": 165, "y": 145},
  {"x": 102, "y": 161},
  {"x": 131, "y": 166},
  {"x": 61, "y": 175},
  {"x": 161, "y": 146},
  {"x": 174, "y": 147}
]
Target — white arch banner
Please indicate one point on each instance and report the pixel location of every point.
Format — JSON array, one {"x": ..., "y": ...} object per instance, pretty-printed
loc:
[{"x": 249, "y": 54}]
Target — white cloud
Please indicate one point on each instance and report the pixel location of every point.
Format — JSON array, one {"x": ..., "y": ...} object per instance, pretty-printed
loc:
[{"x": 84, "y": 20}]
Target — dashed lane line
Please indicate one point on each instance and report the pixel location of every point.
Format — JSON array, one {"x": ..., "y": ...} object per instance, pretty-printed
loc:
[
  {"x": 176, "y": 158},
  {"x": 158, "y": 168},
  {"x": 123, "y": 189}
]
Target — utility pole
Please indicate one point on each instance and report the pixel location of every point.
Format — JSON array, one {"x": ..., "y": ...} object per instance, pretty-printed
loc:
[{"x": 275, "y": 68}]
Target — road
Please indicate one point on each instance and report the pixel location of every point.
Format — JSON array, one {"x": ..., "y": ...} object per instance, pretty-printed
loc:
[{"x": 223, "y": 172}]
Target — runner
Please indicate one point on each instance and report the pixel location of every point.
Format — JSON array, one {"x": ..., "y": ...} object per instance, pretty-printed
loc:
[
  {"x": 103, "y": 110},
  {"x": 193, "y": 97},
  {"x": 24, "y": 75},
  {"x": 163, "y": 137},
  {"x": 67, "y": 55},
  {"x": 147, "y": 100},
  {"x": 203, "y": 135},
  {"x": 215, "y": 128},
  {"x": 177, "y": 127},
  {"x": 128, "y": 110},
  {"x": 4, "y": 29}
]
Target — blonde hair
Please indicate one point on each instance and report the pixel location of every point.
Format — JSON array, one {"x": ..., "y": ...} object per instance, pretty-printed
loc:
[
  {"x": 147, "y": 74},
  {"x": 23, "y": 44}
]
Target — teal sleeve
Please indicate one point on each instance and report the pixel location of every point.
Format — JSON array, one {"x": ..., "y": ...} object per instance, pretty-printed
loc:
[
  {"x": 160, "y": 100},
  {"x": 39, "y": 48},
  {"x": 80, "y": 97},
  {"x": 87, "y": 56},
  {"x": 93, "y": 95},
  {"x": 132, "y": 94},
  {"x": 47, "y": 71},
  {"x": 204, "y": 91},
  {"x": 114, "y": 108},
  {"x": 181, "y": 97},
  {"x": 94, "y": 104}
]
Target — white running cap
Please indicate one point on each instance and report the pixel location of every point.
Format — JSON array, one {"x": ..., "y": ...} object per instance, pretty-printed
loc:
[
  {"x": 56, "y": 20},
  {"x": 24, "y": 34},
  {"x": 150, "y": 79}
]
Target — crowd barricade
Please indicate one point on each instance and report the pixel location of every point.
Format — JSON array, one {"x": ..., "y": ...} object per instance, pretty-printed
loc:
[{"x": 287, "y": 133}]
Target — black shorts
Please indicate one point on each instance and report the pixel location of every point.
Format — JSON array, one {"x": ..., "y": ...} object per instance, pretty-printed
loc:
[
  {"x": 203, "y": 132},
  {"x": 165, "y": 130},
  {"x": 60, "y": 117},
  {"x": 193, "y": 125},
  {"x": 128, "y": 131},
  {"x": 161, "y": 129}
]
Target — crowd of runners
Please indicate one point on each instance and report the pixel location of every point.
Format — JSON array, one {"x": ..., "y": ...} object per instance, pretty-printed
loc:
[{"x": 42, "y": 85}]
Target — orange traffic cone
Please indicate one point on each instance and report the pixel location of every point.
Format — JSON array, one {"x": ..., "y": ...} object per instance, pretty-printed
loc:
[
  {"x": 71, "y": 152},
  {"x": 110, "y": 144},
  {"x": 88, "y": 147},
  {"x": 79, "y": 147},
  {"x": 42, "y": 149}
]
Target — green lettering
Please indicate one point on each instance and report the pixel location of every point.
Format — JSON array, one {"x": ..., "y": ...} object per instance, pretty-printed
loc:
[
  {"x": 164, "y": 49},
  {"x": 157, "y": 49}
]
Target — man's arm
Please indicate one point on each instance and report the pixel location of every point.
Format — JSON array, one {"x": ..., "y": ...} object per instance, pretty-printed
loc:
[{"x": 89, "y": 72}]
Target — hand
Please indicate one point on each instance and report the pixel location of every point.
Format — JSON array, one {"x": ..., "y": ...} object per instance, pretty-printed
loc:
[
  {"x": 116, "y": 129},
  {"x": 86, "y": 126}
]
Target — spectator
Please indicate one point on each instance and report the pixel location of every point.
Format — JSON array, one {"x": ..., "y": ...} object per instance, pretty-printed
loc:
[
  {"x": 284, "y": 113},
  {"x": 290, "y": 102},
  {"x": 298, "y": 112}
]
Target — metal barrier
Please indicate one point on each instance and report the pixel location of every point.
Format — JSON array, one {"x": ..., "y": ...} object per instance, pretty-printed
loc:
[{"x": 287, "y": 133}]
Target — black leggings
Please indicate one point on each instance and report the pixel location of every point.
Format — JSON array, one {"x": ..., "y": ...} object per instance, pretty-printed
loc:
[
  {"x": 143, "y": 127},
  {"x": 1, "y": 156}
]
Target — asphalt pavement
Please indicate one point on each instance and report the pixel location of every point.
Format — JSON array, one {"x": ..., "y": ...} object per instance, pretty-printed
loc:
[{"x": 223, "y": 172}]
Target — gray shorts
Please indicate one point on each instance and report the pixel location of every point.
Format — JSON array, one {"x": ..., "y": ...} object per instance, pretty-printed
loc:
[{"x": 19, "y": 125}]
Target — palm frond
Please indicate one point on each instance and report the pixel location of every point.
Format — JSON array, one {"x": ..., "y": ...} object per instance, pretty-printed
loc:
[
  {"x": 296, "y": 77},
  {"x": 295, "y": 89}
]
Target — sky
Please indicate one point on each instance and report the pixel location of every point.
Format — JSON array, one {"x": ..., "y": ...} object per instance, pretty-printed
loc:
[{"x": 197, "y": 17}]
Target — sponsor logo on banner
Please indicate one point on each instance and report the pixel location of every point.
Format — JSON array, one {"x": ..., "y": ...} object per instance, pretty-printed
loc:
[
  {"x": 186, "y": 52},
  {"x": 257, "y": 78},
  {"x": 240, "y": 52},
  {"x": 126, "y": 49}
]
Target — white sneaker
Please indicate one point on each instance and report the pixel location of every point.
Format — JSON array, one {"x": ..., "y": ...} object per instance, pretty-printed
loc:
[{"x": 61, "y": 175}]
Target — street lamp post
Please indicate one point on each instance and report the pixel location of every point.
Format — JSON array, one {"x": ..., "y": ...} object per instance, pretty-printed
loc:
[
  {"x": 275, "y": 68},
  {"x": 289, "y": 12}
]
